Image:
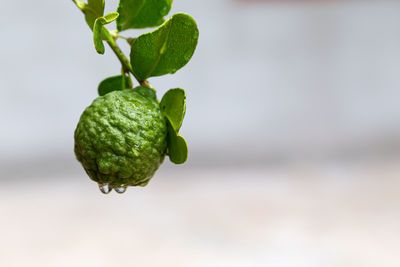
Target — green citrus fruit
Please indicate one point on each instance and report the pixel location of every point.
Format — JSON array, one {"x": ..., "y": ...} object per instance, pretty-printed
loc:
[{"x": 121, "y": 138}]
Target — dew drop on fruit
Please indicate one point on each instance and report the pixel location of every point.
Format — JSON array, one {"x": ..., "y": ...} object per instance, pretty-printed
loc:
[
  {"x": 121, "y": 189},
  {"x": 105, "y": 188}
]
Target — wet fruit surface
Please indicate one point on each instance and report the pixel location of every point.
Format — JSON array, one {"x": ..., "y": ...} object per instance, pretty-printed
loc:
[{"x": 121, "y": 139}]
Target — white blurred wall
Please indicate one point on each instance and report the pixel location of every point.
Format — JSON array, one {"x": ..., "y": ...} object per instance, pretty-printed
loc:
[{"x": 268, "y": 80}]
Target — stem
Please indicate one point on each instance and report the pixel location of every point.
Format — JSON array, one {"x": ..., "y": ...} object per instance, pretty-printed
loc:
[
  {"x": 118, "y": 52},
  {"x": 126, "y": 65},
  {"x": 127, "y": 39},
  {"x": 145, "y": 83},
  {"x": 122, "y": 37},
  {"x": 125, "y": 75}
]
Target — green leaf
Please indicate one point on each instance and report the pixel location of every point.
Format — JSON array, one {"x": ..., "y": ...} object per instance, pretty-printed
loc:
[
  {"x": 98, "y": 30},
  {"x": 177, "y": 147},
  {"x": 114, "y": 83},
  {"x": 138, "y": 14},
  {"x": 110, "y": 17},
  {"x": 173, "y": 106},
  {"x": 93, "y": 10},
  {"x": 97, "y": 38},
  {"x": 165, "y": 50},
  {"x": 147, "y": 92}
]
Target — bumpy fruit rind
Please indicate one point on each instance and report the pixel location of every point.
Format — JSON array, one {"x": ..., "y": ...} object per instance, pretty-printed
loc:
[{"x": 121, "y": 138}]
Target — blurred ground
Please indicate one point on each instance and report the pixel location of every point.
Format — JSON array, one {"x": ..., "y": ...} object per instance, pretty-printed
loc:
[{"x": 336, "y": 215}]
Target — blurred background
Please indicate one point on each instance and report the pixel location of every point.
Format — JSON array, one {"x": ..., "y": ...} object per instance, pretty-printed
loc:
[{"x": 293, "y": 126}]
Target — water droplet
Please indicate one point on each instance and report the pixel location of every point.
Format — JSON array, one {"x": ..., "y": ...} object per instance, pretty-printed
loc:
[
  {"x": 121, "y": 189},
  {"x": 105, "y": 188}
]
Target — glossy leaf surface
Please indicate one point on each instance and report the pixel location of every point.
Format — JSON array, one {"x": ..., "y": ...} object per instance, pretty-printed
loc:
[
  {"x": 177, "y": 147},
  {"x": 138, "y": 14},
  {"x": 173, "y": 106},
  {"x": 113, "y": 83},
  {"x": 165, "y": 50}
]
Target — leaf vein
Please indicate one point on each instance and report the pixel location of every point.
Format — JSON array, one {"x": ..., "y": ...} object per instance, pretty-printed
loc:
[{"x": 159, "y": 52}]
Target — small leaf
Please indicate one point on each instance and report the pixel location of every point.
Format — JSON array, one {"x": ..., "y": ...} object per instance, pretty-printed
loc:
[
  {"x": 113, "y": 83},
  {"x": 147, "y": 92},
  {"x": 138, "y": 14},
  {"x": 173, "y": 106},
  {"x": 97, "y": 38},
  {"x": 93, "y": 10},
  {"x": 165, "y": 50},
  {"x": 110, "y": 17},
  {"x": 177, "y": 147},
  {"x": 98, "y": 30}
]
